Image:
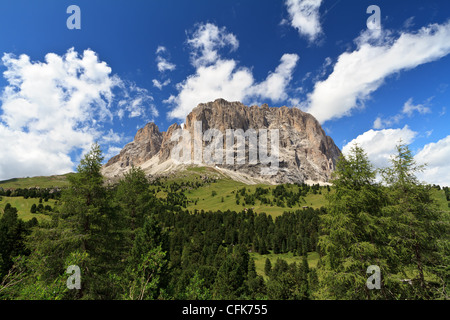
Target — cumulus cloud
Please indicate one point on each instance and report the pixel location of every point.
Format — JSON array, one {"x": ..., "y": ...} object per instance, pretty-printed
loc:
[
  {"x": 435, "y": 155},
  {"x": 358, "y": 73},
  {"x": 221, "y": 80},
  {"x": 380, "y": 145},
  {"x": 274, "y": 87},
  {"x": 216, "y": 77},
  {"x": 52, "y": 109},
  {"x": 304, "y": 16}
]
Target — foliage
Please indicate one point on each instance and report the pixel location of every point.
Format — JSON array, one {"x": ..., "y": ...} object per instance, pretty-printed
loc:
[{"x": 141, "y": 239}]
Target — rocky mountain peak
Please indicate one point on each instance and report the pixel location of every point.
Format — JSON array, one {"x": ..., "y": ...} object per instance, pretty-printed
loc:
[{"x": 306, "y": 153}]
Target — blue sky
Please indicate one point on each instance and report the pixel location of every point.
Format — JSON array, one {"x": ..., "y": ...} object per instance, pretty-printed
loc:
[{"x": 138, "y": 61}]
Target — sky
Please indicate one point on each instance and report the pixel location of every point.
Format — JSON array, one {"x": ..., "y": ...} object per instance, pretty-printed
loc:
[{"x": 369, "y": 75}]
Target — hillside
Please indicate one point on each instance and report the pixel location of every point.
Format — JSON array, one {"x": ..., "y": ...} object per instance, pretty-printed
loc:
[
  {"x": 205, "y": 189},
  {"x": 41, "y": 181}
]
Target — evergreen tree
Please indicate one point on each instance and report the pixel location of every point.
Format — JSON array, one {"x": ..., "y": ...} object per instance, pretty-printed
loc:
[
  {"x": 255, "y": 284},
  {"x": 196, "y": 289},
  {"x": 417, "y": 226},
  {"x": 267, "y": 267},
  {"x": 85, "y": 233},
  {"x": 232, "y": 275},
  {"x": 351, "y": 231},
  {"x": 135, "y": 202},
  {"x": 12, "y": 237}
]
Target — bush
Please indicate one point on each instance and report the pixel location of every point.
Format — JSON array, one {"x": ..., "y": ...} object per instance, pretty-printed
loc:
[{"x": 33, "y": 208}]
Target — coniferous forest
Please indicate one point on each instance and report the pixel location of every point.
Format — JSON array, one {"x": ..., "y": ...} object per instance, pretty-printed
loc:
[{"x": 130, "y": 244}]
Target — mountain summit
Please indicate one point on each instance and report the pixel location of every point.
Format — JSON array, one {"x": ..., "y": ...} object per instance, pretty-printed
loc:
[{"x": 237, "y": 141}]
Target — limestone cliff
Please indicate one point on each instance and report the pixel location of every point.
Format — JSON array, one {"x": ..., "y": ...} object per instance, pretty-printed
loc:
[{"x": 306, "y": 153}]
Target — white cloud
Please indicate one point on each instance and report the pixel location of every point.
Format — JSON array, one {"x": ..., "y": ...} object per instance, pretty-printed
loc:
[
  {"x": 162, "y": 63},
  {"x": 160, "y": 49},
  {"x": 435, "y": 155},
  {"x": 304, "y": 16},
  {"x": 111, "y": 136},
  {"x": 206, "y": 41},
  {"x": 381, "y": 144},
  {"x": 409, "y": 108},
  {"x": 52, "y": 109},
  {"x": 381, "y": 123},
  {"x": 160, "y": 85},
  {"x": 136, "y": 101},
  {"x": 378, "y": 123},
  {"x": 359, "y": 73},
  {"x": 274, "y": 87},
  {"x": 222, "y": 78},
  {"x": 409, "y": 23}
]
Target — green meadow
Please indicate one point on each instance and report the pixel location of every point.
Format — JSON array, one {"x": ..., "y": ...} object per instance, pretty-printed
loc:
[
  {"x": 23, "y": 207},
  {"x": 42, "y": 182},
  {"x": 209, "y": 196},
  {"x": 260, "y": 260}
]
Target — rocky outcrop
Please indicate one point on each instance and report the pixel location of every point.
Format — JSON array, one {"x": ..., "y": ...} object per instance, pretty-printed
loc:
[
  {"x": 146, "y": 144},
  {"x": 306, "y": 153}
]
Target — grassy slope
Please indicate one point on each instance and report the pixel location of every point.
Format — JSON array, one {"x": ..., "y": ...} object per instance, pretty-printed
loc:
[
  {"x": 42, "y": 182},
  {"x": 24, "y": 205},
  {"x": 224, "y": 187}
]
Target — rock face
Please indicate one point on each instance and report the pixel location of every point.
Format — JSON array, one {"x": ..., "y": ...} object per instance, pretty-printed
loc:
[
  {"x": 145, "y": 145},
  {"x": 305, "y": 152}
]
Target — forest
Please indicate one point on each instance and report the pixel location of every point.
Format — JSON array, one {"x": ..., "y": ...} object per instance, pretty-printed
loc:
[{"x": 131, "y": 244}]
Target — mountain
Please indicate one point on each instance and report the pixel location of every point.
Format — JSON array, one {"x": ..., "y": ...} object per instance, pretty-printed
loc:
[{"x": 305, "y": 152}]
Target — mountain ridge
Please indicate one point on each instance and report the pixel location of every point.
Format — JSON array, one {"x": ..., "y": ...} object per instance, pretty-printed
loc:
[{"x": 306, "y": 154}]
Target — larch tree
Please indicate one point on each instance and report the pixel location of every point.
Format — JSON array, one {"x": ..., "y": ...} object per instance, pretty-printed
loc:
[
  {"x": 351, "y": 232},
  {"x": 418, "y": 229}
]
